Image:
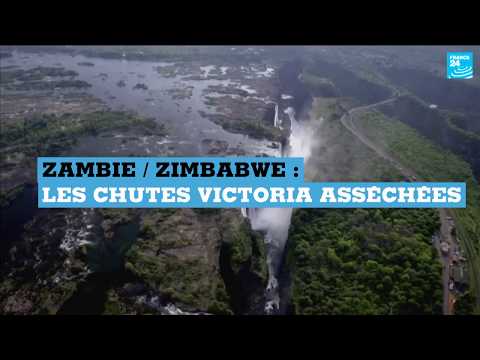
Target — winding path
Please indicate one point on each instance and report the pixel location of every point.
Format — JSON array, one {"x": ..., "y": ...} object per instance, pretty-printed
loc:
[{"x": 445, "y": 217}]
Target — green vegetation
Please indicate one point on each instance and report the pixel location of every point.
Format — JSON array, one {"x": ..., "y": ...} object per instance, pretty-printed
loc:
[
  {"x": 374, "y": 261},
  {"x": 329, "y": 77},
  {"x": 167, "y": 259},
  {"x": 219, "y": 54},
  {"x": 200, "y": 259},
  {"x": 243, "y": 266},
  {"x": 35, "y": 79},
  {"x": 47, "y": 85},
  {"x": 339, "y": 155},
  {"x": 86, "y": 63},
  {"x": 48, "y": 134},
  {"x": 120, "y": 228},
  {"x": 254, "y": 128},
  {"x": 141, "y": 86},
  {"x": 432, "y": 163},
  {"x": 181, "y": 93},
  {"x": 34, "y": 286},
  {"x": 34, "y": 74},
  {"x": 247, "y": 249},
  {"x": 167, "y": 71},
  {"x": 454, "y": 131},
  {"x": 187, "y": 283},
  {"x": 330, "y": 109},
  {"x": 320, "y": 85},
  {"x": 114, "y": 305},
  {"x": 374, "y": 76},
  {"x": 47, "y": 130},
  {"x": 458, "y": 122},
  {"x": 465, "y": 304},
  {"x": 365, "y": 262}
]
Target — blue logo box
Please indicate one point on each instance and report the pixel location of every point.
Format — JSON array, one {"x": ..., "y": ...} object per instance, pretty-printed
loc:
[{"x": 459, "y": 65}]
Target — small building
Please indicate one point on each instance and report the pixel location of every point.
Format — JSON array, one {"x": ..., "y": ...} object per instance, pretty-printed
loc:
[
  {"x": 460, "y": 277},
  {"x": 444, "y": 247}
]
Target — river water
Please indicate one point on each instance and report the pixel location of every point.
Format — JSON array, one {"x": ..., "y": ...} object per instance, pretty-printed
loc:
[{"x": 187, "y": 128}]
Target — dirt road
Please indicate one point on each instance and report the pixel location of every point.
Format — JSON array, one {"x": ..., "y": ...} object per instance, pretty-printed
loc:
[{"x": 446, "y": 219}]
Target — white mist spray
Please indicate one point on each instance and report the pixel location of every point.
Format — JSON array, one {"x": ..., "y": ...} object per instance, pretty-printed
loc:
[{"x": 275, "y": 222}]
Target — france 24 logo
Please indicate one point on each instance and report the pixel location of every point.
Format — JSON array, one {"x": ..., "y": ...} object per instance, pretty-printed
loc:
[{"x": 459, "y": 65}]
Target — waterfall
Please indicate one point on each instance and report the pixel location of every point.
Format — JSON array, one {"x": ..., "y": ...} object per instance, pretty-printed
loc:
[
  {"x": 244, "y": 212},
  {"x": 275, "y": 118},
  {"x": 301, "y": 138},
  {"x": 275, "y": 222}
]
